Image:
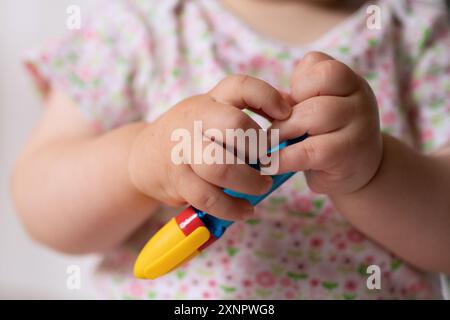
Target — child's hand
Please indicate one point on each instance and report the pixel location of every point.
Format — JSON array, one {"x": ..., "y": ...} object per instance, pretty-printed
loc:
[
  {"x": 153, "y": 172},
  {"x": 338, "y": 110}
]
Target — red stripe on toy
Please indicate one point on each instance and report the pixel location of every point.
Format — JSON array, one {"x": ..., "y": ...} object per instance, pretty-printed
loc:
[
  {"x": 188, "y": 221},
  {"x": 207, "y": 243}
]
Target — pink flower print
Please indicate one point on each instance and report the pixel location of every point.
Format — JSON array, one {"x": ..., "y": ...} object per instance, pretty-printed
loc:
[
  {"x": 347, "y": 260},
  {"x": 45, "y": 57},
  {"x": 84, "y": 74},
  {"x": 276, "y": 67},
  {"x": 225, "y": 260},
  {"x": 355, "y": 236},
  {"x": 257, "y": 62},
  {"x": 265, "y": 279},
  {"x": 89, "y": 33},
  {"x": 285, "y": 282},
  {"x": 350, "y": 285},
  {"x": 386, "y": 67},
  {"x": 369, "y": 259},
  {"x": 314, "y": 282},
  {"x": 415, "y": 84},
  {"x": 247, "y": 283},
  {"x": 427, "y": 135},
  {"x": 295, "y": 227},
  {"x": 230, "y": 242},
  {"x": 416, "y": 287},
  {"x": 212, "y": 283},
  {"x": 341, "y": 245},
  {"x": 388, "y": 118},
  {"x": 184, "y": 288},
  {"x": 242, "y": 67},
  {"x": 327, "y": 212},
  {"x": 206, "y": 295},
  {"x": 316, "y": 242},
  {"x": 289, "y": 294},
  {"x": 302, "y": 204},
  {"x": 336, "y": 237},
  {"x": 135, "y": 290}
]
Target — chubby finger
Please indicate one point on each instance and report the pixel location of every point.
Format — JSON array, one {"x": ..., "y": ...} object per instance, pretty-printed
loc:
[
  {"x": 317, "y": 115},
  {"x": 315, "y": 153},
  {"x": 237, "y": 177},
  {"x": 228, "y": 169},
  {"x": 325, "y": 76},
  {"x": 225, "y": 125},
  {"x": 211, "y": 199},
  {"x": 243, "y": 91}
]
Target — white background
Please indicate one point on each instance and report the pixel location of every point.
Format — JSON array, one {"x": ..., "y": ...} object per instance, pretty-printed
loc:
[{"x": 28, "y": 270}]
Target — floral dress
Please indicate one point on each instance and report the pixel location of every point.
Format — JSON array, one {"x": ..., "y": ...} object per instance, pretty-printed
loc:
[{"x": 135, "y": 59}]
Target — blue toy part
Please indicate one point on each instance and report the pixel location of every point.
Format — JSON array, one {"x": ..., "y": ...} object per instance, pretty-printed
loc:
[{"x": 218, "y": 226}]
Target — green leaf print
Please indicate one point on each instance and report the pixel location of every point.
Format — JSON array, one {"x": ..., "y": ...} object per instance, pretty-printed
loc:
[
  {"x": 329, "y": 285},
  {"x": 395, "y": 264},
  {"x": 253, "y": 222},
  {"x": 349, "y": 296},
  {"x": 362, "y": 269},
  {"x": 206, "y": 34},
  {"x": 75, "y": 80},
  {"x": 263, "y": 292},
  {"x": 314, "y": 256},
  {"x": 277, "y": 235},
  {"x": 180, "y": 274},
  {"x": 299, "y": 214},
  {"x": 437, "y": 103},
  {"x": 228, "y": 289},
  {"x": 318, "y": 203},
  {"x": 264, "y": 255},
  {"x": 283, "y": 55},
  {"x": 425, "y": 36},
  {"x": 277, "y": 200},
  {"x": 372, "y": 42},
  {"x": 277, "y": 270},
  {"x": 232, "y": 251},
  {"x": 176, "y": 72},
  {"x": 295, "y": 253},
  {"x": 117, "y": 279},
  {"x": 370, "y": 76},
  {"x": 151, "y": 295},
  {"x": 307, "y": 231},
  {"x": 179, "y": 296},
  {"x": 296, "y": 276},
  {"x": 344, "y": 50}
]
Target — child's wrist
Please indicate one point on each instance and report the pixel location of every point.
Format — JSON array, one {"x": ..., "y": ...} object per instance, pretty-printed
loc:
[
  {"x": 134, "y": 169},
  {"x": 370, "y": 174}
]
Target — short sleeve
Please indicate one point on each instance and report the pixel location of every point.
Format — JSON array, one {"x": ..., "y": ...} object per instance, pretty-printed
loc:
[
  {"x": 97, "y": 65},
  {"x": 429, "y": 87}
]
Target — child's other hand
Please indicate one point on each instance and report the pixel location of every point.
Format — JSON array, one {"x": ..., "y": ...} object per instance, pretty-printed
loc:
[
  {"x": 338, "y": 110},
  {"x": 154, "y": 173}
]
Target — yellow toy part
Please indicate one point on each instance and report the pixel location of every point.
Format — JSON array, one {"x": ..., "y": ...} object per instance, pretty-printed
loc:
[{"x": 167, "y": 249}]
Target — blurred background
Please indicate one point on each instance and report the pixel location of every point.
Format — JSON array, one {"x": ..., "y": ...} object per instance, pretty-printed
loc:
[{"x": 28, "y": 270}]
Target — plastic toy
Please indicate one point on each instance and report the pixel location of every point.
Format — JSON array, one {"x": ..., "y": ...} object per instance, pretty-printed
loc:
[{"x": 192, "y": 231}]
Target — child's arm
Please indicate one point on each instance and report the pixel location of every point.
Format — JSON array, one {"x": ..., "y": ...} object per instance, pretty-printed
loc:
[
  {"x": 71, "y": 185},
  {"x": 395, "y": 195},
  {"x": 79, "y": 191},
  {"x": 406, "y": 206}
]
